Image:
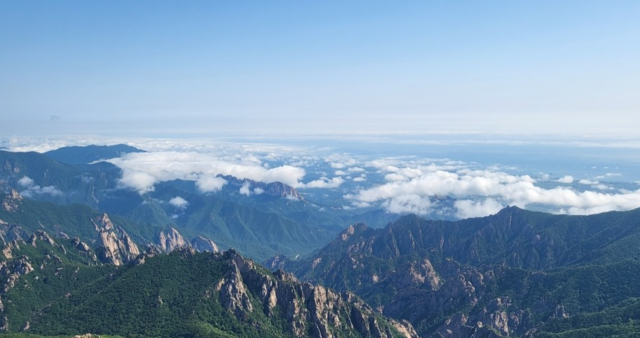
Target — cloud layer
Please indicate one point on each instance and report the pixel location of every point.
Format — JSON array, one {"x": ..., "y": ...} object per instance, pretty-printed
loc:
[
  {"x": 141, "y": 171},
  {"x": 31, "y": 189},
  {"x": 483, "y": 192},
  {"x": 179, "y": 202},
  {"x": 399, "y": 184}
]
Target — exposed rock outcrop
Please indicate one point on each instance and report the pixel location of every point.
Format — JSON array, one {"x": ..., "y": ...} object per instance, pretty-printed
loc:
[
  {"x": 309, "y": 309},
  {"x": 171, "y": 240},
  {"x": 276, "y": 262},
  {"x": 12, "y": 201},
  {"x": 11, "y": 271},
  {"x": 84, "y": 249},
  {"x": 115, "y": 245},
  {"x": 12, "y": 232},
  {"x": 204, "y": 244},
  {"x": 40, "y": 236},
  {"x": 275, "y": 189}
]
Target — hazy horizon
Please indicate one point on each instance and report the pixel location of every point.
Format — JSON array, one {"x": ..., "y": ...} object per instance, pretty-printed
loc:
[{"x": 378, "y": 105}]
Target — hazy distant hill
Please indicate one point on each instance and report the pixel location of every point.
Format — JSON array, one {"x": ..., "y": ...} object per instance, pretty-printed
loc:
[{"x": 91, "y": 153}]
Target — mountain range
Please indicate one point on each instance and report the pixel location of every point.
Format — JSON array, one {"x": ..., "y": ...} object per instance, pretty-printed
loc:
[
  {"x": 81, "y": 254},
  {"x": 516, "y": 273},
  {"x": 277, "y": 221},
  {"x": 63, "y": 287}
]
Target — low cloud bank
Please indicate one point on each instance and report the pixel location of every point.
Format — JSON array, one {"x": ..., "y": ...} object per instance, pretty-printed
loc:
[
  {"x": 483, "y": 192},
  {"x": 141, "y": 171}
]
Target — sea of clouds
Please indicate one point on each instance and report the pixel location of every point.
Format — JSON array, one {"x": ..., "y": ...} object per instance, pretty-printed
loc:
[{"x": 398, "y": 184}]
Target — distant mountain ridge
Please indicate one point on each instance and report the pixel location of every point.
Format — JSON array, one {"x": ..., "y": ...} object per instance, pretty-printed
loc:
[
  {"x": 513, "y": 272},
  {"x": 117, "y": 240},
  {"x": 90, "y": 153},
  {"x": 274, "y": 189},
  {"x": 230, "y": 218}
]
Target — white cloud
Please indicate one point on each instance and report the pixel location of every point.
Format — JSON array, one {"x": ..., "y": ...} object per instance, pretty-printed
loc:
[
  {"x": 469, "y": 208},
  {"x": 245, "y": 189},
  {"x": 411, "y": 203},
  {"x": 493, "y": 188},
  {"x": 179, "y": 202},
  {"x": 340, "y": 173},
  {"x": 140, "y": 171},
  {"x": 291, "y": 198},
  {"x": 394, "y": 177},
  {"x": 258, "y": 191},
  {"x": 360, "y": 179},
  {"x": 324, "y": 182},
  {"x": 31, "y": 189},
  {"x": 355, "y": 170},
  {"x": 588, "y": 182},
  {"x": 361, "y": 205},
  {"x": 138, "y": 180},
  {"x": 25, "y": 181},
  {"x": 210, "y": 184},
  {"x": 341, "y": 161},
  {"x": 567, "y": 179}
]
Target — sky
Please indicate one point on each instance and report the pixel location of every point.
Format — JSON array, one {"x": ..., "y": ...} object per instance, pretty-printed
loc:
[{"x": 517, "y": 68}]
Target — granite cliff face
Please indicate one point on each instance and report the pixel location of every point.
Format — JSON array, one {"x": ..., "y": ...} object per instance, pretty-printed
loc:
[
  {"x": 116, "y": 246},
  {"x": 12, "y": 201},
  {"x": 204, "y": 244},
  {"x": 309, "y": 310},
  {"x": 170, "y": 240}
]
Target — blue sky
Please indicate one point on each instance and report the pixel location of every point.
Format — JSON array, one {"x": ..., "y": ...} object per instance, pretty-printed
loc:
[{"x": 493, "y": 67}]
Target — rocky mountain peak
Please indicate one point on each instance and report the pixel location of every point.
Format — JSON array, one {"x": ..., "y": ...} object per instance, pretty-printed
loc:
[
  {"x": 41, "y": 236},
  {"x": 170, "y": 240},
  {"x": 310, "y": 310},
  {"x": 352, "y": 230},
  {"x": 116, "y": 247},
  {"x": 103, "y": 223},
  {"x": 204, "y": 244}
]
